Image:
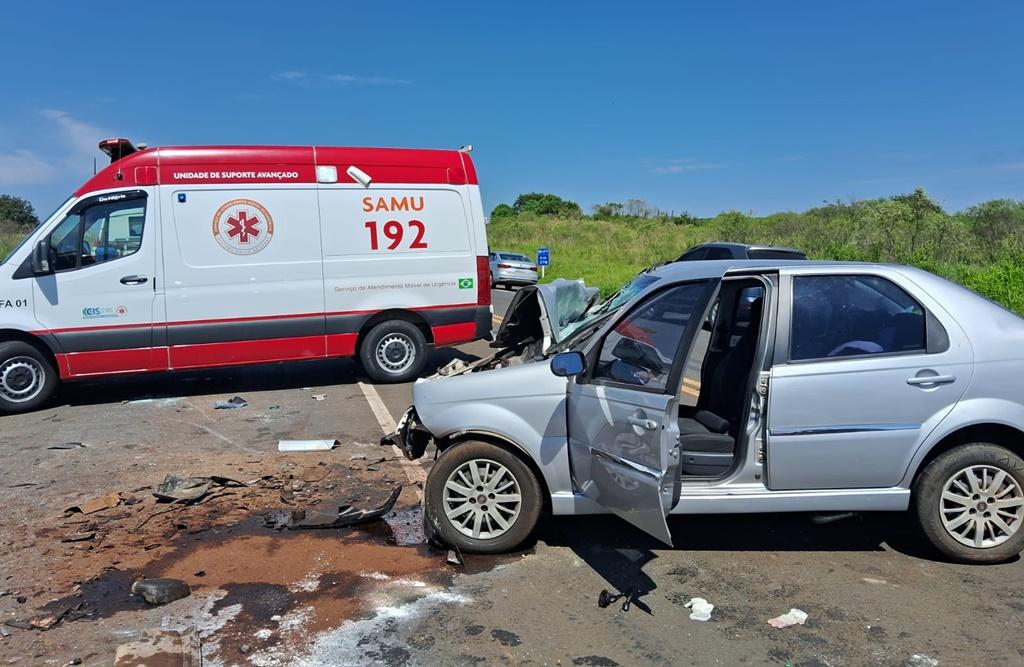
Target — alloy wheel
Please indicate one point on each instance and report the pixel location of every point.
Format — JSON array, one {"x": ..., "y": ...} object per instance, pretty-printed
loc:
[
  {"x": 981, "y": 506},
  {"x": 482, "y": 499}
]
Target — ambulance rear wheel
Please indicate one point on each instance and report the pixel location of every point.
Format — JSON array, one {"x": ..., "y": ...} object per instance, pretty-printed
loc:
[
  {"x": 27, "y": 377},
  {"x": 394, "y": 351}
]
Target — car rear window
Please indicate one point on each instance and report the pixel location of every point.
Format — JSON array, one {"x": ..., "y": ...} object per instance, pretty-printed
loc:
[{"x": 515, "y": 258}]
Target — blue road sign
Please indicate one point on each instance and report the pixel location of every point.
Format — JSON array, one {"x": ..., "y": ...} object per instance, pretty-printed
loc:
[{"x": 543, "y": 256}]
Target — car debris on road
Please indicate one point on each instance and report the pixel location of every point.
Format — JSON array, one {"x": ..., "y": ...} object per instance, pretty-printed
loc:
[
  {"x": 306, "y": 445},
  {"x": 68, "y": 445},
  {"x": 175, "y": 489},
  {"x": 106, "y": 502},
  {"x": 231, "y": 404}
]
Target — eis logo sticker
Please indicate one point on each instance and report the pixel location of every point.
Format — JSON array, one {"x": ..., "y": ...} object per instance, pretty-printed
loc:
[{"x": 243, "y": 227}]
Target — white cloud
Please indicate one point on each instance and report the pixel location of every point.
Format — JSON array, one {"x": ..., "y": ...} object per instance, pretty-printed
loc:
[
  {"x": 371, "y": 80},
  {"x": 69, "y": 149},
  {"x": 80, "y": 138},
  {"x": 23, "y": 167},
  {"x": 291, "y": 75},
  {"x": 683, "y": 166},
  {"x": 302, "y": 76}
]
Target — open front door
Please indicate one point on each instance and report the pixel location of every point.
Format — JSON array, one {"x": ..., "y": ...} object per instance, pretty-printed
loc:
[{"x": 623, "y": 413}]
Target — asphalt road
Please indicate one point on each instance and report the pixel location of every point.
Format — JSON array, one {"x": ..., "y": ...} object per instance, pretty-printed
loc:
[{"x": 873, "y": 592}]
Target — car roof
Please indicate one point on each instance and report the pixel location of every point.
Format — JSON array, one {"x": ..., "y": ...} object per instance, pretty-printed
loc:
[
  {"x": 745, "y": 246},
  {"x": 716, "y": 268}
]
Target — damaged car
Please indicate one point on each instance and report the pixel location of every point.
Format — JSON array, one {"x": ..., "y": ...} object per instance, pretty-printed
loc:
[{"x": 734, "y": 387}]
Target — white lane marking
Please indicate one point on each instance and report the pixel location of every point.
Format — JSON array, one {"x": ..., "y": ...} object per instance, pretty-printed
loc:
[{"x": 414, "y": 471}]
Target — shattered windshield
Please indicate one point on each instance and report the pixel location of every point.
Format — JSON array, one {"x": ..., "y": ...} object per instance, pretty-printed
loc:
[
  {"x": 599, "y": 310},
  {"x": 570, "y": 301}
]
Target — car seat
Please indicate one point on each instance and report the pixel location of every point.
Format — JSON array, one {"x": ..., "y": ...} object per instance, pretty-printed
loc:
[{"x": 708, "y": 439}]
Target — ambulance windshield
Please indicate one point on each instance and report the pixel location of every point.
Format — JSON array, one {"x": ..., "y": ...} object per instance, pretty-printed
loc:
[{"x": 28, "y": 234}]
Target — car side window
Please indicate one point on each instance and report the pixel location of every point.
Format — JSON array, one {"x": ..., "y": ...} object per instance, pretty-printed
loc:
[
  {"x": 100, "y": 233},
  {"x": 853, "y": 315},
  {"x": 694, "y": 255},
  {"x": 641, "y": 348}
]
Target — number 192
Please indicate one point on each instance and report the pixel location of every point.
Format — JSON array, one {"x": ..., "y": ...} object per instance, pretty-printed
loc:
[{"x": 394, "y": 232}]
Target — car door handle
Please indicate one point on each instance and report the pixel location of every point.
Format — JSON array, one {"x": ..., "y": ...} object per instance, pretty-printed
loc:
[
  {"x": 646, "y": 424},
  {"x": 931, "y": 379},
  {"x": 134, "y": 280}
]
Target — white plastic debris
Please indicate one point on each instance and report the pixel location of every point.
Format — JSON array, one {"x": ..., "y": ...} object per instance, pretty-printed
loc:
[
  {"x": 306, "y": 445},
  {"x": 921, "y": 660},
  {"x": 319, "y": 397},
  {"x": 700, "y": 609},
  {"x": 792, "y": 617}
]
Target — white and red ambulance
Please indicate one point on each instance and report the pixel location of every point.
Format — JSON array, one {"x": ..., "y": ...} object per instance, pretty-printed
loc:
[{"x": 194, "y": 257}]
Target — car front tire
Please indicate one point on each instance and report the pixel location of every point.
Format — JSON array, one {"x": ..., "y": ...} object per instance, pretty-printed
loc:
[
  {"x": 480, "y": 498},
  {"x": 969, "y": 502},
  {"x": 393, "y": 351},
  {"x": 27, "y": 377}
]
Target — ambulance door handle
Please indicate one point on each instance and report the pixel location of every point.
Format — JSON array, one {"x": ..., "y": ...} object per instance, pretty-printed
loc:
[{"x": 134, "y": 280}]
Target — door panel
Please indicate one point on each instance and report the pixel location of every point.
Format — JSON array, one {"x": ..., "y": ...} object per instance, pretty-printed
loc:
[
  {"x": 621, "y": 446},
  {"x": 623, "y": 417},
  {"x": 99, "y": 303},
  {"x": 855, "y": 421}
]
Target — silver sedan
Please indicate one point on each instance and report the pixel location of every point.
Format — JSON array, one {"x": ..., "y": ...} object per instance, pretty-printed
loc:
[
  {"x": 510, "y": 268},
  {"x": 735, "y": 386}
]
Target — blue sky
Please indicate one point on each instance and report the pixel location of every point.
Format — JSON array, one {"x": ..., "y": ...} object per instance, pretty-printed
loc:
[{"x": 757, "y": 106}]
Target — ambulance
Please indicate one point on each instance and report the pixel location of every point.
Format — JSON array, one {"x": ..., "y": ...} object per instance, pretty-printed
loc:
[{"x": 192, "y": 257}]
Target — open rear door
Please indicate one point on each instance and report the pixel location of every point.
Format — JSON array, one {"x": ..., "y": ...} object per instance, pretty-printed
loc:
[{"x": 623, "y": 413}]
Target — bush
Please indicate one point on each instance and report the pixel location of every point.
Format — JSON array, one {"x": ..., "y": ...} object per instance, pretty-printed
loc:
[{"x": 982, "y": 247}]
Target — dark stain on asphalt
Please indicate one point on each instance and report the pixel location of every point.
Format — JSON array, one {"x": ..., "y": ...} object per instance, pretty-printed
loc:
[
  {"x": 505, "y": 637},
  {"x": 390, "y": 655},
  {"x": 260, "y": 600},
  {"x": 474, "y": 630},
  {"x": 102, "y": 596},
  {"x": 594, "y": 661}
]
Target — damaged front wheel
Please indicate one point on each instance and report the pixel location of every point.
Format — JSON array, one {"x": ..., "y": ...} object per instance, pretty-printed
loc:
[{"x": 481, "y": 498}]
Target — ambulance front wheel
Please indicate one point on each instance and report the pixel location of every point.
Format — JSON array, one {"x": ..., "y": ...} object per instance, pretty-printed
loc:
[
  {"x": 393, "y": 351},
  {"x": 27, "y": 377}
]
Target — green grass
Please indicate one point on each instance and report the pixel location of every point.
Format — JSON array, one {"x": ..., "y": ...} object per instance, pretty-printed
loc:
[
  {"x": 7, "y": 242},
  {"x": 605, "y": 254},
  {"x": 608, "y": 253}
]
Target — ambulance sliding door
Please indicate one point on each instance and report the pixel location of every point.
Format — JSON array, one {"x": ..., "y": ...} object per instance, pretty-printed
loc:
[{"x": 244, "y": 274}]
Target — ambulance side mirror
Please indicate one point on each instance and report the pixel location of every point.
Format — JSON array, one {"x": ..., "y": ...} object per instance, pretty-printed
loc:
[{"x": 41, "y": 258}]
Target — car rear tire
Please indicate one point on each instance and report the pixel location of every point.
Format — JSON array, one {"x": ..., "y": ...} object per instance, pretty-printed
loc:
[
  {"x": 490, "y": 511},
  {"x": 27, "y": 377},
  {"x": 393, "y": 351},
  {"x": 969, "y": 502}
]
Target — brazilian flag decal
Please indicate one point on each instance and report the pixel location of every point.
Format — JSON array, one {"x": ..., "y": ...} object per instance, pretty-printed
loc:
[{"x": 465, "y": 283}]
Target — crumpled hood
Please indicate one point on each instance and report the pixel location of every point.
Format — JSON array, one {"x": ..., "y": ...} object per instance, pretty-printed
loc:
[{"x": 547, "y": 312}]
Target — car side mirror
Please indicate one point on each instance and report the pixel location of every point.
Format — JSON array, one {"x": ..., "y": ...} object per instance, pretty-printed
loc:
[
  {"x": 568, "y": 364},
  {"x": 41, "y": 258}
]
